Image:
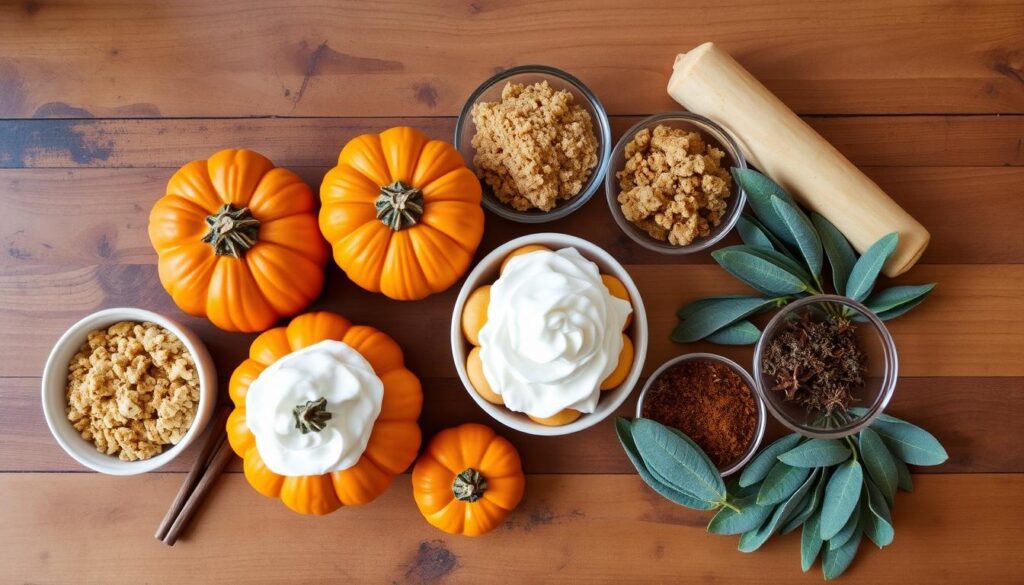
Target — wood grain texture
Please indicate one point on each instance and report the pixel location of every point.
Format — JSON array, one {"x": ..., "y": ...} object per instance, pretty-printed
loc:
[
  {"x": 578, "y": 529},
  {"x": 399, "y": 58}
]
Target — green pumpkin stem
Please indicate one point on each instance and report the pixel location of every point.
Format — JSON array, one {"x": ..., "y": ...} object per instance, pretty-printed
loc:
[
  {"x": 311, "y": 416},
  {"x": 399, "y": 205},
  {"x": 232, "y": 231},
  {"x": 469, "y": 486}
]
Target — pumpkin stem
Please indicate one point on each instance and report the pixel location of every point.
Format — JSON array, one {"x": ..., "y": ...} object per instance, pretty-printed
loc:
[
  {"x": 399, "y": 205},
  {"x": 469, "y": 486},
  {"x": 311, "y": 416},
  {"x": 232, "y": 231}
]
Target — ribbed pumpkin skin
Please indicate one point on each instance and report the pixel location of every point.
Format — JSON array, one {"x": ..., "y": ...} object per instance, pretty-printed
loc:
[
  {"x": 450, "y": 452},
  {"x": 278, "y": 277},
  {"x": 416, "y": 261},
  {"x": 395, "y": 438}
]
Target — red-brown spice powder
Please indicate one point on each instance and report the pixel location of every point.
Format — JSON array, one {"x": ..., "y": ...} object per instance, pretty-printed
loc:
[{"x": 709, "y": 402}]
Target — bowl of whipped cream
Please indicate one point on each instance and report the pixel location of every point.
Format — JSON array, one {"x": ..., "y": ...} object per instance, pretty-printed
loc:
[{"x": 549, "y": 334}]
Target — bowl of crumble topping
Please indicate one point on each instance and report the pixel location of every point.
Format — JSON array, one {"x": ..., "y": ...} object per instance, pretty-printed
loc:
[{"x": 126, "y": 390}]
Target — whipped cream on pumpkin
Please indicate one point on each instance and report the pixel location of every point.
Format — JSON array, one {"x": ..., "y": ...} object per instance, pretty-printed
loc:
[
  {"x": 313, "y": 410},
  {"x": 553, "y": 333}
]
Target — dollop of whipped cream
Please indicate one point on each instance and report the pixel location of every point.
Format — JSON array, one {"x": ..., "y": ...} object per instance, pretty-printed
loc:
[
  {"x": 329, "y": 370},
  {"x": 553, "y": 333}
]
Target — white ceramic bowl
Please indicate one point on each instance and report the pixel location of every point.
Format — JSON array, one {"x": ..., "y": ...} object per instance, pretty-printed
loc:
[
  {"x": 486, "y": 272},
  {"x": 55, "y": 376}
]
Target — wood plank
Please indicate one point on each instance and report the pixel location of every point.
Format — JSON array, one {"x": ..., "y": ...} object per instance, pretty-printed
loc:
[
  {"x": 105, "y": 220},
  {"x": 195, "y": 58},
  {"x": 970, "y": 326},
  {"x": 883, "y": 141},
  {"x": 975, "y": 418},
  {"x": 568, "y": 529}
]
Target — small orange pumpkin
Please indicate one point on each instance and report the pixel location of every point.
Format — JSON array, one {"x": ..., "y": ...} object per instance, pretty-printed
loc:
[
  {"x": 237, "y": 241},
  {"x": 394, "y": 440},
  {"x": 402, "y": 213},
  {"x": 468, "y": 480}
]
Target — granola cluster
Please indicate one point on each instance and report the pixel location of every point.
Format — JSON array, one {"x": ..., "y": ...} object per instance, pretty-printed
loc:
[
  {"x": 132, "y": 388},
  {"x": 673, "y": 185},
  {"x": 535, "y": 147}
]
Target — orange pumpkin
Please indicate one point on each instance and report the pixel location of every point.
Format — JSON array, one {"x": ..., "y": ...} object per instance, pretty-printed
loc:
[
  {"x": 402, "y": 213},
  {"x": 237, "y": 241},
  {"x": 468, "y": 480},
  {"x": 394, "y": 440}
]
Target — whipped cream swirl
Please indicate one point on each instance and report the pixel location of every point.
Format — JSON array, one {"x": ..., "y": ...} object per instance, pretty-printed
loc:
[
  {"x": 313, "y": 410},
  {"x": 553, "y": 333}
]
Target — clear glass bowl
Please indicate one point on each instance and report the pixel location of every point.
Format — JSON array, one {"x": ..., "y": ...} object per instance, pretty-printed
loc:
[
  {"x": 490, "y": 91},
  {"x": 880, "y": 382},
  {"x": 761, "y": 416},
  {"x": 707, "y": 129}
]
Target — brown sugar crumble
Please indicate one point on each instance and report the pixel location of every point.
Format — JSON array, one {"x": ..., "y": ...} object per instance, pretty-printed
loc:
[
  {"x": 673, "y": 185},
  {"x": 132, "y": 388},
  {"x": 535, "y": 147},
  {"x": 710, "y": 403}
]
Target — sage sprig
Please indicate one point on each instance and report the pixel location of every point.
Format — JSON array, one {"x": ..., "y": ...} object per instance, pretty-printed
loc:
[{"x": 782, "y": 257}]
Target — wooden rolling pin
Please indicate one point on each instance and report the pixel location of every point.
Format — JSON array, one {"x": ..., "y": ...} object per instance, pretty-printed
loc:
[{"x": 709, "y": 82}]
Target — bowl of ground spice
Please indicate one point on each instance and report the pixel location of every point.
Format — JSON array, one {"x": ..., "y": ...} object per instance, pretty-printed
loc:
[
  {"x": 820, "y": 356},
  {"x": 711, "y": 399},
  {"x": 538, "y": 139}
]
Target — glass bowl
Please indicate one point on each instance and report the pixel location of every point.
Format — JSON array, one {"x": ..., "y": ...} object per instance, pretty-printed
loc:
[
  {"x": 709, "y": 130},
  {"x": 490, "y": 91},
  {"x": 880, "y": 382},
  {"x": 761, "y": 416}
]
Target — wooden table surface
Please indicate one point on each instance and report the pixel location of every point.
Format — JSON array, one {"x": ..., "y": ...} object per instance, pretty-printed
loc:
[{"x": 100, "y": 102}]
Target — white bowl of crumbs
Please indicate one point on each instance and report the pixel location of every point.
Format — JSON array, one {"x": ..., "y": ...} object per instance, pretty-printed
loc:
[{"x": 126, "y": 390}]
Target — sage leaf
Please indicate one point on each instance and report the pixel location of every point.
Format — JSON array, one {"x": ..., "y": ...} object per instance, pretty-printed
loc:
[
  {"x": 841, "y": 496},
  {"x": 810, "y": 541},
  {"x": 802, "y": 233},
  {"x": 752, "y": 540},
  {"x": 751, "y": 233},
  {"x": 911, "y": 443},
  {"x": 782, "y": 481},
  {"x": 716, "y": 315},
  {"x": 787, "y": 262},
  {"x": 879, "y": 462},
  {"x": 813, "y": 503},
  {"x": 846, "y": 533},
  {"x": 685, "y": 467},
  {"x": 742, "y": 332},
  {"x": 865, "y": 271},
  {"x": 877, "y": 524},
  {"x": 749, "y": 517},
  {"x": 840, "y": 254},
  {"x": 835, "y": 562},
  {"x": 763, "y": 462},
  {"x": 767, "y": 276},
  {"x": 760, "y": 190},
  {"x": 816, "y": 453},
  {"x": 777, "y": 244},
  {"x": 903, "y": 478},
  {"x": 691, "y": 308},
  {"x": 860, "y": 411},
  {"x": 900, "y": 310},
  {"x": 622, "y": 429},
  {"x": 895, "y": 297}
]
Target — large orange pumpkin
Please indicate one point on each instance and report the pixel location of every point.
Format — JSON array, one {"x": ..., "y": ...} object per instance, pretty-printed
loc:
[
  {"x": 237, "y": 241},
  {"x": 393, "y": 443},
  {"x": 402, "y": 213}
]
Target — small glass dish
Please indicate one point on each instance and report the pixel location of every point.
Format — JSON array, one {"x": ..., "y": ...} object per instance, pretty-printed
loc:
[
  {"x": 880, "y": 381},
  {"x": 755, "y": 442},
  {"x": 490, "y": 91},
  {"x": 711, "y": 132}
]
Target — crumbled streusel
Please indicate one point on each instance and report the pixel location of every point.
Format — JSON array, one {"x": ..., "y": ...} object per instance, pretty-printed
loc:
[
  {"x": 132, "y": 388},
  {"x": 673, "y": 185}
]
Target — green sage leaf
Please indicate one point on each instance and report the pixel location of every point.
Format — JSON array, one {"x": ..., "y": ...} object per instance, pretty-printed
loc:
[
  {"x": 787, "y": 262},
  {"x": 810, "y": 541},
  {"x": 813, "y": 503},
  {"x": 767, "y": 276},
  {"x": 763, "y": 462},
  {"x": 752, "y": 540},
  {"x": 751, "y": 233},
  {"x": 760, "y": 190},
  {"x": 903, "y": 478},
  {"x": 782, "y": 481},
  {"x": 742, "y": 332},
  {"x": 802, "y": 232},
  {"x": 750, "y": 517},
  {"x": 777, "y": 244},
  {"x": 860, "y": 411},
  {"x": 877, "y": 525},
  {"x": 841, "y": 496},
  {"x": 622, "y": 429},
  {"x": 840, "y": 254},
  {"x": 911, "y": 443},
  {"x": 846, "y": 532},
  {"x": 900, "y": 310},
  {"x": 865, "y": 271},
  {"x": 686, "y": 310},
  {"x": 835, "y": 562},
  {"x": 716, "y": 315},
  {"x": 816, "y": 453},
  {"x": 879, "y": 462},
  {"x": 683, "y": 466},
  {"x": 895, "y": 297}
]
